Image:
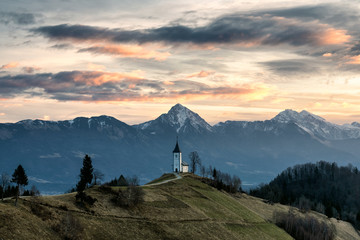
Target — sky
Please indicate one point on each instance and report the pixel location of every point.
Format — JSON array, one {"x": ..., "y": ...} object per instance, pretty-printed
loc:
[{"x": 134, "y": 59}]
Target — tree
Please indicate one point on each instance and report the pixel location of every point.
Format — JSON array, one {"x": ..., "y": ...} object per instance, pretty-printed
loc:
[
  {"x": 98, "y": 175},
  {"x": 5, "y": 181},
  {"x": 19, "y": 177},
  {"x": 214, "y": 174},
  {"x": 34, "y": 191},
  {"x": 86, "y": 174},
  {"x": 203, "y": 171},
  {"x": 194, "y": 161}
]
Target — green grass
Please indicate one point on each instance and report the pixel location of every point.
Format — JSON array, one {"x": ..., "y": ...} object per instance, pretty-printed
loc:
[{"x": 263, "y": 231}]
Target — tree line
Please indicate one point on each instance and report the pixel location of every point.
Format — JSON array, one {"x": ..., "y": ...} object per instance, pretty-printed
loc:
[
  {"x": 218, "y": 179},
  {"x": 322, "y": 186}
]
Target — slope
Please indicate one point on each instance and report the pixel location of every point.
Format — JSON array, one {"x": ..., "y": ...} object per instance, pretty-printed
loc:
[{"x": 181, "y": 209}]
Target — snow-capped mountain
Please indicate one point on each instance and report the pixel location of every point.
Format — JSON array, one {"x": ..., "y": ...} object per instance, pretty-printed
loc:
[
  {"x": 256, "y": 151},
  {"x": 179, "y": 119},
  {"x": 318, "y": 126}
]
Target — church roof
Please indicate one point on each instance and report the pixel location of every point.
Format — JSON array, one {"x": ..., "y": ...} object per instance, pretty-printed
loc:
[
  {"x": 184, "y": 163},
  {"x": 176, "y": 149}
]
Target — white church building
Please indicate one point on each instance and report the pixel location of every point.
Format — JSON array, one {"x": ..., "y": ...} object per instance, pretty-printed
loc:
[{"x": 180, "y": 166}]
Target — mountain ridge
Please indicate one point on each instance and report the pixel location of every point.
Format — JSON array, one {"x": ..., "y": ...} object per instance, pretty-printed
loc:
[
  {"x": 183, "y": 120},
  {"x": 254, "y": 150}
]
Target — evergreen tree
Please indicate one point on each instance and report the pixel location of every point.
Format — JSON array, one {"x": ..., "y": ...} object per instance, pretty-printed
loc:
[
  {"x": 86, "y": 174},
  {"x": 19, "y": 177}
]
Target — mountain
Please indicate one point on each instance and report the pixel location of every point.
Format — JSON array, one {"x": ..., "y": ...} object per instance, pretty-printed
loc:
[
  {"x": 180, "y": 120},
  {"x": 318, "y": 126},
  {"x": 51, "y": 151}
]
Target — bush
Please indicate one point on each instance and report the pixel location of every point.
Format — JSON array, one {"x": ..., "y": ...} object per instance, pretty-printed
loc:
[
  {"x": 40, "y": 211},
  {"x": 69, "y": 228},
  {"x": 129, "y": 197},
  {"x": 85, "y": 198},
  {"x": 304, "y": 227}
]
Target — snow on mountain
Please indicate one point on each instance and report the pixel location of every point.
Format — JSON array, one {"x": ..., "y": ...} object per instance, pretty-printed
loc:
[
  {"x": 318, "y": 126},
  {"x": 179, "y": 118}
]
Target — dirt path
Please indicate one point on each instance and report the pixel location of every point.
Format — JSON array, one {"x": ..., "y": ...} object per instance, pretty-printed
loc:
[{"x": 166, "y": 181}]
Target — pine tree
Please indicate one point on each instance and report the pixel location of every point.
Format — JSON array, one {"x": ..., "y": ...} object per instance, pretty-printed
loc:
[
  {"x": 86, "y": 174},
  {"x": 19, "y": 177}
]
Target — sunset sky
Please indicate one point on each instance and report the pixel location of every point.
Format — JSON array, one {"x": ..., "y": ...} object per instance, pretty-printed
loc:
[{"x": 134, "y": 59}]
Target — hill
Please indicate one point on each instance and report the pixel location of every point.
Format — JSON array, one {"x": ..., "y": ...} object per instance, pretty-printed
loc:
[
  {"x": 185, "y": 208},
  {"x": 182, "y": 209},
  {"x": 324, "y": 187}
]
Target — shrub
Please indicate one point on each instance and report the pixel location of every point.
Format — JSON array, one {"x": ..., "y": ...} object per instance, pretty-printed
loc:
[
  {"x": 69, "y": 227},
  {"x": 85, "y": 198},
  {"x": 304, "y": 227},
  {"x": 129, "y": 197}
]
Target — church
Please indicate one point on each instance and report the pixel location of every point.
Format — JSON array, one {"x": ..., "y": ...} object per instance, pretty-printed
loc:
[{"x": 180, "y": 166}]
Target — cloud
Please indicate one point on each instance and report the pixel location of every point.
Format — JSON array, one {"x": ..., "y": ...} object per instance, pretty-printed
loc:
[
  {"x": 62, "y": 46},
  {"x": 10, "y": 65},
  {"x": 38, "y": 180},
  {"x": 238, "y": 28},
  {"x": 17, "y": 18},
  {"x": 108, "y": 86},
  {"x": 201, "y": 74},
  {"x": 134, "y": 51},
  {"x": 354, "y": 60},
  {"x": 54, "y": 155},
  {"x": 292, "y": 66},
  {"x": 30, "y": 69}
]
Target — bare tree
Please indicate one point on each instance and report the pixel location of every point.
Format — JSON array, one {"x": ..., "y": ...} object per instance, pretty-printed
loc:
[
  {"x": 34, "y": 191},
  {"x": 194, "y": 161},
  {"x": 98, "y": 175},
  {"x": 5, "y": 181},
  {"x": 203, "y": 171}
]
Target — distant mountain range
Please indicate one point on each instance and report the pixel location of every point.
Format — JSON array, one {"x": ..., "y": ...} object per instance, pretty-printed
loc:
[{"x": 52, "y": 151}]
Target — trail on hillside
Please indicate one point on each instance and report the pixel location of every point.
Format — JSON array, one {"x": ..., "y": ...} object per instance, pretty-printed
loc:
[{"x": 165, "y": 181}]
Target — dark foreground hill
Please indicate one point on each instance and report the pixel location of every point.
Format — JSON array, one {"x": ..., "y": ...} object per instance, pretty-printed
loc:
[{"x": 182, "y": 209}]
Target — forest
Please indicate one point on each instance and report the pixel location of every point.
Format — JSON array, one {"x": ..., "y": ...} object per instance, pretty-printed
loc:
[{"x": 324, "y": 187}]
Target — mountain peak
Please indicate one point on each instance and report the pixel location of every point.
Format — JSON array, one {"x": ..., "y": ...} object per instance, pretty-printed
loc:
[
  {"x": 179, "y": 118},
  {"x": 318, "y": 126},
  {"x": 291, "y": 115}
]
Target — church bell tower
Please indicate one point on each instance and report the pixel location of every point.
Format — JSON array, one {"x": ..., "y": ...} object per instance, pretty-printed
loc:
[{"x": 177, "y": 158}]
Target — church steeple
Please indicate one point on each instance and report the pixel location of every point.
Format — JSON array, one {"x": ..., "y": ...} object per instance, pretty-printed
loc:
[
  {"x": 177, "y": 148},
  {"x": 177, "y": 158}
]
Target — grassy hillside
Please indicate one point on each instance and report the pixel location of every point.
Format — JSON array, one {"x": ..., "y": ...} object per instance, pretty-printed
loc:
[
  {"x": 344, "y": 230},
  {"x": 181, "y": 209}
]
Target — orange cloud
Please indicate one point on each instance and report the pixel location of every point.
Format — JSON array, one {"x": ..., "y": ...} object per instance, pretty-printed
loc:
[
  {"x": 97, "y": 78},
  {"x": 327, "y": 55},
  {"x": 332, "y": 36},
  {"x": 134, "y": 51},
  {"x": 354, "y": 60},
  {"x": 10, "y": 65},
  {"x": 201, "y": 74}
]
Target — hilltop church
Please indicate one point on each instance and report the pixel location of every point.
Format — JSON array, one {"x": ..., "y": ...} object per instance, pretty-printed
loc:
[{"x": 180, "y": 166}]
